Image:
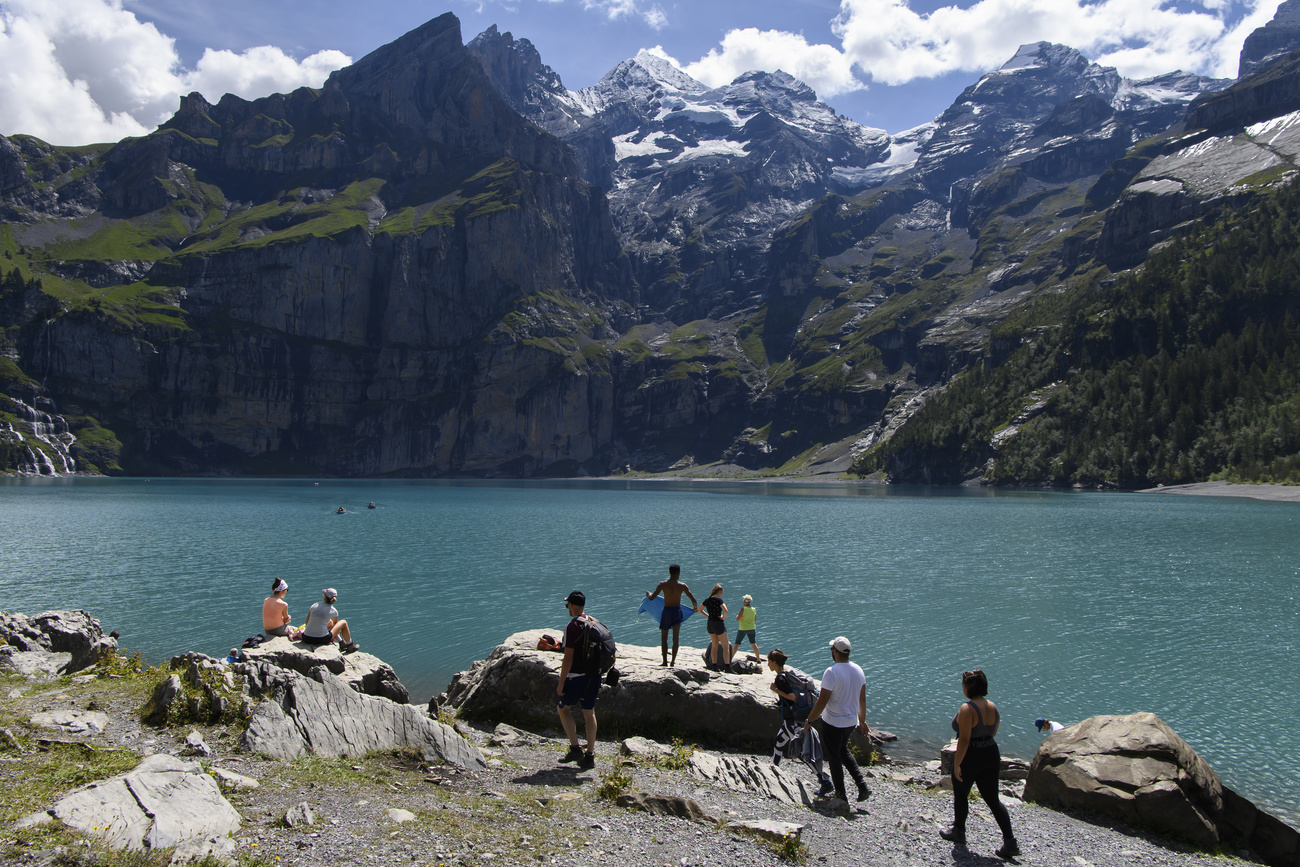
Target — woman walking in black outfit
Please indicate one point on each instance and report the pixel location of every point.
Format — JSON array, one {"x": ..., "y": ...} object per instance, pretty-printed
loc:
[{"x": 977, "y": 762}]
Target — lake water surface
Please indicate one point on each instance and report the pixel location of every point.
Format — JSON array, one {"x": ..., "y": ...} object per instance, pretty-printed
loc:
[{"x": 1075, "y": 604}]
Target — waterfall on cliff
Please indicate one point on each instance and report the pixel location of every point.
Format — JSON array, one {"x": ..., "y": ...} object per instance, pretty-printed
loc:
[{"x": 45, "y": 438}]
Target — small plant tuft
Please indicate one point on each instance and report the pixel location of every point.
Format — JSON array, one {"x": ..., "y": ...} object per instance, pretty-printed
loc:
[
  {"x": 679, "y": 759},
  {"x": 790, "y": 848},
  {"x": 614, "y": 783}
]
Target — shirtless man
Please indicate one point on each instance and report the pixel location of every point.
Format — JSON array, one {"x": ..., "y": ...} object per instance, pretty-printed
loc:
[{"x": 672, "y": 616}]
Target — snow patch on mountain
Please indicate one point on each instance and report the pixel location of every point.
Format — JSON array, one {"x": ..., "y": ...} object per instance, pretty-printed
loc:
[
  {"x": 903, "y": 151},
  {"x": 1271, "y": 129}
]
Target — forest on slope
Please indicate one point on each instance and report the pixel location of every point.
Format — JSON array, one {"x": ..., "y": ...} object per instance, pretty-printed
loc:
[{"x": 1186, "y": 370}]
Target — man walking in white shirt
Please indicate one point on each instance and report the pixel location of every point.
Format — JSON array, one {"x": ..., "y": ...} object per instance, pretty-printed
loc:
[{"x": 841, "y": 706}]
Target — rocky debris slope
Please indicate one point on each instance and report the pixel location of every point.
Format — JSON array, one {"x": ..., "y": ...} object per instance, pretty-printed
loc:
[
  {"x": 1136, "y": 768},
  {"x": 61, "y": 642}
]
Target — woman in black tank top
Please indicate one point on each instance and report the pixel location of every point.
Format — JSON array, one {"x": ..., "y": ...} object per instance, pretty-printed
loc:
[{"x": 977, "y": 762}]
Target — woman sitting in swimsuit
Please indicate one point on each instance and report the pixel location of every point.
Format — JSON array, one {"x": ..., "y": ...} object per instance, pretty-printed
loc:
[{"x": 275, "y": 611}]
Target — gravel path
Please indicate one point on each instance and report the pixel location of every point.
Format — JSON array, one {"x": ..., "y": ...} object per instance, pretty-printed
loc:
[{"x": 527, "y": 809}]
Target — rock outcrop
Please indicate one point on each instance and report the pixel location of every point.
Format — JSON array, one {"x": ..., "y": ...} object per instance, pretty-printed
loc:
[
  {"x": 1136, "y": 768},
  {"x": 323, "y": 716},
  {"x": 163, "y": 803},
  {"x": 516, "y": 684},
  {"x": 59, "y": 642},
  {"x": 364, "y": 672}
]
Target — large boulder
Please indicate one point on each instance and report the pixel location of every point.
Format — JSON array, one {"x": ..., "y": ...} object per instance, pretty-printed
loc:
[
  {"x": 1137, "y": 769},
  {"x": 67, "y": 641},
  {"x": 163, "y": 803},
  {"x": 516, "y": 684},
  {"x": 365, "y": 673},
  {"x": 324, "y": 716}
]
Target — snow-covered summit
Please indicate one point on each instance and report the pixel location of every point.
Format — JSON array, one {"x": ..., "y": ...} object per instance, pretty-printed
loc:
[{"x": 641, "y": 80}]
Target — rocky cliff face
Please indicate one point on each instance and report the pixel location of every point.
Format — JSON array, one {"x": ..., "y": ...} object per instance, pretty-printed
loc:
[
  {"x": 340, "y": 280},
  {"x": 444, "y": 262}
]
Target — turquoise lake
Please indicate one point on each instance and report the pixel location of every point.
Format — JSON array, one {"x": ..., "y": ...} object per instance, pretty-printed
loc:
[{"x": 1075, "y": 604}]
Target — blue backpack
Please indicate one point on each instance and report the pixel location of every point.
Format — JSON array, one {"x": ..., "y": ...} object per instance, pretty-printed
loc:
[{"x": 805, "y": 695}]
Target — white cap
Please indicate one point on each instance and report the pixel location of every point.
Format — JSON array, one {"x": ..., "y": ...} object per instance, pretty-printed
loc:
[
  {"x": 329, "y": 593},
  {"x": 842, "y": 645}
]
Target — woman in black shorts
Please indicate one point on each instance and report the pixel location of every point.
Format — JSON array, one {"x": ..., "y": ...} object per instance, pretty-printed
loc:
[{"x": 719, "y": 648}]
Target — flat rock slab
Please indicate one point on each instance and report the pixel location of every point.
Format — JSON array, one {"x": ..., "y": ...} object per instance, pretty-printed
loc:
[
  {"x": 230, "y": 781},
  {"x": 33, "y": 663},
  {"x": 163, "y": 803},
  {"x": 74, "y": 722},
  {"x": 769, "y": 829}
]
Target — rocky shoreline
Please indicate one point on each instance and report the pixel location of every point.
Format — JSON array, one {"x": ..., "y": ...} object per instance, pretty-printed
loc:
[
  {"x": 1272, "y": 493},
  {"x": 520, "y": 806}
]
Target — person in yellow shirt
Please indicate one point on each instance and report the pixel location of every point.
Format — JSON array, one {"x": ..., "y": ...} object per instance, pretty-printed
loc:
[{"x": 745, "y": 620}]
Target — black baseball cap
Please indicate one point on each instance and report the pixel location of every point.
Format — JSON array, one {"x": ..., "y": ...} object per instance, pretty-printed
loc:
[{"x": 576, "y": 598}]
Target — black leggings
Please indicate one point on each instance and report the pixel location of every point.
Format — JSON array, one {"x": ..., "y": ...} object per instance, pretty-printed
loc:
[
  {"x": 980, "y": 769},
  {"x": 835, "y": 747}
]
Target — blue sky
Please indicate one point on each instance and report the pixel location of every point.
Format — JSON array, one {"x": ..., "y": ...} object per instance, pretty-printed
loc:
[{"x": 80, "y": 71}]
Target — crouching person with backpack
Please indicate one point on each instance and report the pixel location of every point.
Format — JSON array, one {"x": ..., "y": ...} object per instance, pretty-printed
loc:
[{"x": 577, "y": 685}]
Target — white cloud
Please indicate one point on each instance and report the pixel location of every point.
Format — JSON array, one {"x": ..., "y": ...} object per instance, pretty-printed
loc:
[
  {"x": 654, "y": 16},
  {"x": 259, "y": 71},
  {"x": 822, "y": 67},
  {"x": 895, "y": 45},
  {"x": 82, "y": 71}
]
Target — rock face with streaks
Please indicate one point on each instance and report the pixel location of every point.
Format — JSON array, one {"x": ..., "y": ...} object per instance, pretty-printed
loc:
[{"x": 321, "y": 715}]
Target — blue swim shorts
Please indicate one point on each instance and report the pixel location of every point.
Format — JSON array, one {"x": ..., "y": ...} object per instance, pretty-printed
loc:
[
  {"x": 671, "y": 617},
  {"x": 582, "y": 689},
  {"x": 746, "y": 634}
]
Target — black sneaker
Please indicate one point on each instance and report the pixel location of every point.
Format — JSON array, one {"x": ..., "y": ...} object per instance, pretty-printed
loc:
[
  {"x": 863, "y": 792},
  {"x": 1010, "y": 849},
  {"x": 587, "y": 762},
  {"x": 827, "y": 789},
  {"x": 952, "y": 835},
  {"x": 573, "y": 755}
]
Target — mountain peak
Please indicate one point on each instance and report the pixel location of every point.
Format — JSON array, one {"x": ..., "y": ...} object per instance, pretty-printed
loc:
[
  {"x": 640, "y": 80},
  {"x": 1271, "y": 42},
  {"x": 1046, "y": 54}
]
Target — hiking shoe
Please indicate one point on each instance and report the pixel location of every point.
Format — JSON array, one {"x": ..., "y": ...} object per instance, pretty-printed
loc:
[
  {"x": 350, "y": 647},
  {"x": 827, "y": 789},
  {"x": 863, "y": 792},
  {"x": 573, "y": 755},
  {"x": 1009, "y": 850},
  {"x": 952, "y": 835},
  {"x": 587, "y": 762}
]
